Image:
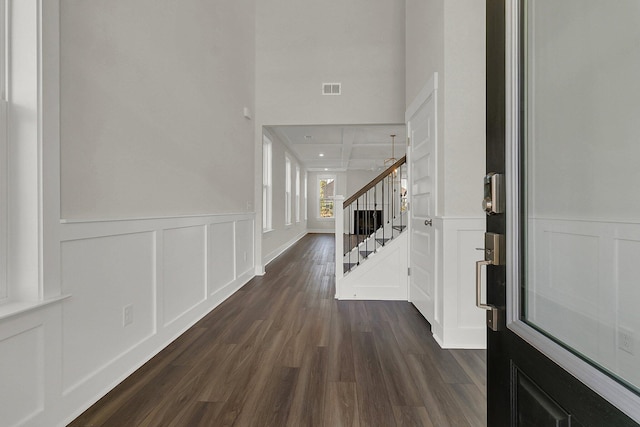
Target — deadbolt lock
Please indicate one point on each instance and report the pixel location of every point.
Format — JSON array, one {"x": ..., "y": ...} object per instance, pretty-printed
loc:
[{"x": 493, "y": 201}]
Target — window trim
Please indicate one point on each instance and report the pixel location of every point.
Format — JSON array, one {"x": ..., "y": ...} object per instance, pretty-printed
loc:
[
  {"x": 32, "y": 51},
  {"x": 267, "y": 184}
]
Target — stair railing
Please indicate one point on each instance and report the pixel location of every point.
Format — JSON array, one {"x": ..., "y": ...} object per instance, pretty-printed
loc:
[{"x": 371, "y": 217}]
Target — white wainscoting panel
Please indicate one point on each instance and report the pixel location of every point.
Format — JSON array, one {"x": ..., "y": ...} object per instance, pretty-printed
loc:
[
  {"x": 21, "y": 375},
  {"x": 103, "y": 275},
  {"x": 184, "y": 270},
  {"x": 171, "y": 271},
  {"x": 221, "y": 256},
  {"x": 244, "y": 247}
]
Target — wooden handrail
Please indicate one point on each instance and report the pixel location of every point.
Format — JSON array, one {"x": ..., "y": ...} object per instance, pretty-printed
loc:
[{"x": 375, "y": 181}]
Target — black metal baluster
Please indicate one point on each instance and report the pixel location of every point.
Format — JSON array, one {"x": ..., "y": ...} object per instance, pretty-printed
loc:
[
  {"x": 357, "y": 229},
  {"x": 375, "y": 217},
  {"x": 383, "y": 213}
]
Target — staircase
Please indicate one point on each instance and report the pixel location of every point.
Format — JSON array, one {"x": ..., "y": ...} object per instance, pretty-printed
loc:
[{"x": 370, "y": 222}]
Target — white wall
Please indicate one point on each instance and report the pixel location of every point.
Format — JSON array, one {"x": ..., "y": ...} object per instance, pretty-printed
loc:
[
  {"x": 356, "y": 179},
  {"x": 303, "y": 43},
  {"x": 282, "y": 235},
  {"x": 152, "y": 97}
]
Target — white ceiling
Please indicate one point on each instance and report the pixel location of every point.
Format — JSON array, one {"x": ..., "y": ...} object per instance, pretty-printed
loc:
[{"x": 346, "y": 147}]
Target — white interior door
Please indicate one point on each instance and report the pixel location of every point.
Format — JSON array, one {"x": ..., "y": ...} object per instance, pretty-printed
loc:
[{"x": 421, "y": 127}]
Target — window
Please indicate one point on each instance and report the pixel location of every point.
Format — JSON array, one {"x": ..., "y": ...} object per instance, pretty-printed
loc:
[
  {"x": 267, "y": 191},
  {"x": 287, "y": 191},
  {"x": 297, "y": 193},
  {"x": 326, "y": 191},
  {"x": 305, "y": 196}
]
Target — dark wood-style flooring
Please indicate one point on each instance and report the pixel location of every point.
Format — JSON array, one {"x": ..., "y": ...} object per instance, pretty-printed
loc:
[{"x": 283, "y": 352}]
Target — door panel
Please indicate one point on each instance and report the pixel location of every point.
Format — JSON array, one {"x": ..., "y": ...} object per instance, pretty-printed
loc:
[
  {"x": 571, "y": 219},
  {"x": 421, "y": 128},
  {"x": 535, "y": 408}
]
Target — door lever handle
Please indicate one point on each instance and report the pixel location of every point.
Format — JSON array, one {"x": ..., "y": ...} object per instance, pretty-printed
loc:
[
  {"x": 479, "y": 302},
  {"x": 492, "y": 312}
]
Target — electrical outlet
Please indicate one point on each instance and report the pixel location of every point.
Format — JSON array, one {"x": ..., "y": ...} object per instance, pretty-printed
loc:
[
  {"x": 127, "y": 315},
  {"x": 625, "y": 340}
]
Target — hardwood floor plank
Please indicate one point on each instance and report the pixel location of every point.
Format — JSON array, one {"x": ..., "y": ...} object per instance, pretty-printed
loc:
[
  {"x": 400, "y": 386},
  {"x": 374, "y": 407},
  {"x": 248, "y": 379},
  {"x": 202, "y": 414},
  {"x": 307, "y": 408},
  {"x": 340, "y": 345},
  {"x": 148, "y": 399},
  {"x": 474, "y": 366},
  {"x": 274, "y": 402},
  {"x": 472, "y": 402},
  {"x": 438, "y": 398},
  {"x": 341, "y": 405},
  {"x": 412, "y": 416}
]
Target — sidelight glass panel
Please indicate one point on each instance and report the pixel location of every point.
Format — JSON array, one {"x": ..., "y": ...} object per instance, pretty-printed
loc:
[{"x": 581, "y": 143}]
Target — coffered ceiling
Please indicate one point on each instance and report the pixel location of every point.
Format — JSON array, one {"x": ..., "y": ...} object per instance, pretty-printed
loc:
[{"x": 345, "y": 147}]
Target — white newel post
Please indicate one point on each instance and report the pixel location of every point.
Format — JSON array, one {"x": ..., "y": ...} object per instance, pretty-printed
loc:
[{"x": 339, "y": 226}]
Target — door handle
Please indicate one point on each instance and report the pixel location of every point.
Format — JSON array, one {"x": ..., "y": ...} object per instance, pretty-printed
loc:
[
  {"x": 493, "y": 255},
  {"x": 428, "y": 222},
  {"x": 479, "y": 302},
  {"x": 492, "y": 312}
]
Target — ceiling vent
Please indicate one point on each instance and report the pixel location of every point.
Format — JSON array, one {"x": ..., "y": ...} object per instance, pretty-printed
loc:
[{"x": 331, "y": 88}]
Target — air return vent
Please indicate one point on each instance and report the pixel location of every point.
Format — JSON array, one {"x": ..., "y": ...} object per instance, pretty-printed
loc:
[{"x": 331, "y": 88}]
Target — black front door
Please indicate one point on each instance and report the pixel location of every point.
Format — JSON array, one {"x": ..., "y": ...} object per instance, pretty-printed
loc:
[{"x": 563, "y": 107}]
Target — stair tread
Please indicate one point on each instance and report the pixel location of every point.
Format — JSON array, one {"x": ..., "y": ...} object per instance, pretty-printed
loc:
[
  {"x": 383, "y": 241},
  {"x": 366, "y": 253},
  {"x": 399, "y": 227}
]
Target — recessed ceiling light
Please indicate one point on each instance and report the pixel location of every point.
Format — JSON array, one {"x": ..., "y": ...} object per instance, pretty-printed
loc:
[
  {"x": 321, "y": 154},
  {"x": 326, "y": 169}
]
